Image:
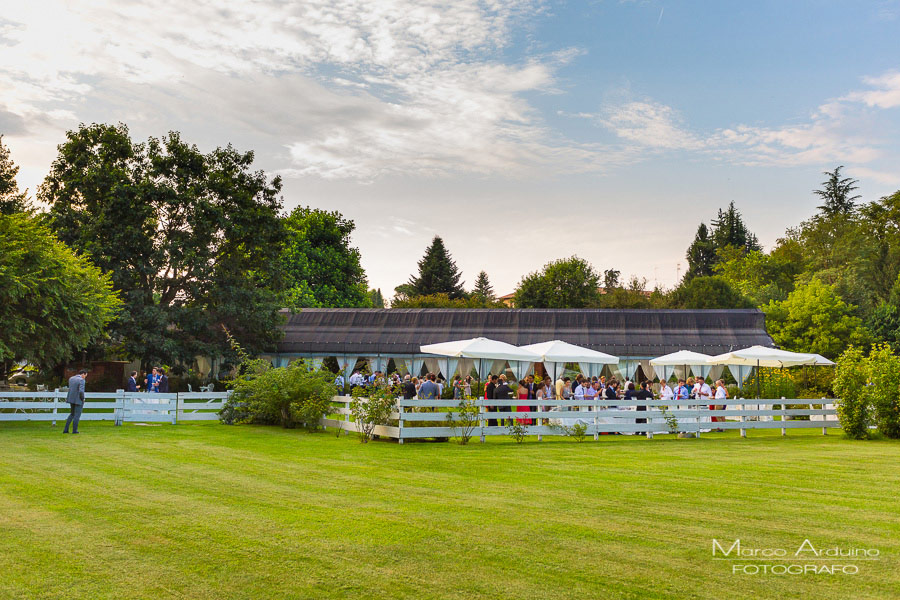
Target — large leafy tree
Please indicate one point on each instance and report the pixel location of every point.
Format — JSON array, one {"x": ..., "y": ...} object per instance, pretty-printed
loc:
[
  {"x": 564, "y": 283},
  {"x": 437, "y": 274},
  {"x": 836, "y": 193},
  {"x": 53, "y": 302},
  {"x": 11, "y": 199},
  {"x": 190, "y": 239},
  {"x": 814, "y": 318},
  {"x": 320, "y": 267}
]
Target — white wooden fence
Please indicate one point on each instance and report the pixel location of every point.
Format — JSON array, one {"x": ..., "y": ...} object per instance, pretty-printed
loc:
[
  {"x": 120, "y": 406},
  {"x": 430, "y": 418}
]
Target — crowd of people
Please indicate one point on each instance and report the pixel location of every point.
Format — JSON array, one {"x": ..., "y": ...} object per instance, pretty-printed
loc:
[
  {"x": 593, "y": 390},
  {"x": 155, "y": 381}
]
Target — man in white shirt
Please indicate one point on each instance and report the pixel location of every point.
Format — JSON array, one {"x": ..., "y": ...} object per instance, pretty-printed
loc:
[
  {"x": 357, "y": 379},
  {"x": 704, "y": 392},
  {"x": 665, "y": 392}
]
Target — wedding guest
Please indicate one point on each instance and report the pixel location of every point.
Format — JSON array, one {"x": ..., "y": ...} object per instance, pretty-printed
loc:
[
  {"x": 502, "y": 392},
  {"x": 665, "y": 392},
  {"x": 524, "y": 394}
]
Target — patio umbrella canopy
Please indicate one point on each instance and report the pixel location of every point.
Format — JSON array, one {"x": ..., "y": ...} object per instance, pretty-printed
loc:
[
  {"x": 760, "y": 356},
  {"x": 682, "y": 358},
  {"x": 482, "y": 349},
  {"x": 556, "y": 353}
]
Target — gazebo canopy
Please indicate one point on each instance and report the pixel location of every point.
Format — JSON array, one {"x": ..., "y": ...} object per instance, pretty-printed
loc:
[{"x": 680, "y": 359}]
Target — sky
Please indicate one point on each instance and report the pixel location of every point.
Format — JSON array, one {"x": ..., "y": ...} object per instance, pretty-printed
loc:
[{"x": 519, "y": 131}]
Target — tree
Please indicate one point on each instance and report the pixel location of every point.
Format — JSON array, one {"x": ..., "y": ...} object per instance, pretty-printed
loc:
[
  {"x": 701, "y": 254},
  {"x": 52, "y": 301},
  {"x": 191, "y": 240},
  {"x": 376, "y": 299},
  {"x": 483, "y": 289},
  {"x": 564, "y": 283},
  {"x": 442, "y": 301},
  {"x": 437, "y": 274},
  {"x": 814, "y": 318},
  {"x": 729, "y": 229},
  {"x": 611, "y": 279},
  {"x": 836, "y": 192},
  {"x": 707, "y": 292},
  {"x": 320, "y": 268},
  {"x": 11, "y": 199}
]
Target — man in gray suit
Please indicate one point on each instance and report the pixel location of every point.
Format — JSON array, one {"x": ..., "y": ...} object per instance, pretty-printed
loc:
[{"x": 75, "y": 398}]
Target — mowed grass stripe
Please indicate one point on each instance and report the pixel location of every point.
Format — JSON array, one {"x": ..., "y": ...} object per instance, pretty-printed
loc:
[{"x": 207, "y": 511}]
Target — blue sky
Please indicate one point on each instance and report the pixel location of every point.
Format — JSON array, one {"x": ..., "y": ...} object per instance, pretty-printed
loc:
[{"x": 520, "y": 131}]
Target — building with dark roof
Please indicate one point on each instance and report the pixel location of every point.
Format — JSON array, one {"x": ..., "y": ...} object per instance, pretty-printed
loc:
[{"x": 635, "y": 336}]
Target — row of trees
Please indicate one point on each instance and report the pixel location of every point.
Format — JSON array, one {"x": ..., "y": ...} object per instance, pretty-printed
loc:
[{"x": 150, "y": 250}]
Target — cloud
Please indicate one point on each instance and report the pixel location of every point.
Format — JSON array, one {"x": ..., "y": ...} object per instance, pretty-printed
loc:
[{"x": 649, "y": 124}]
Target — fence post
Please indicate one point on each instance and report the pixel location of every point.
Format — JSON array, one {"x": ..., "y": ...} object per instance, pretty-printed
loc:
[
  {"x": 177, "y": 402},
  {"x": 119, "y": 408},
  {"x": 400, "y": 423},
  {"x": 649, "y": 432},
  {"x": 55, "y": 406},
  {"x": 783, "y": 417},
  {"x": 699, "y": 424},
  {"x": 481, "y": 412},
  {"x": 743, "y": 430},
  {"x": 824, "y": 419},
  {"x": 596, "y": 408},
  {"x": 346, "y": 416},
  {"x": 537, "y": 423}
]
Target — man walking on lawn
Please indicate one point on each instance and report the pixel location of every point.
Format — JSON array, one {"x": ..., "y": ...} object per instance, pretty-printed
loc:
[{"x": 75, "y": 398}]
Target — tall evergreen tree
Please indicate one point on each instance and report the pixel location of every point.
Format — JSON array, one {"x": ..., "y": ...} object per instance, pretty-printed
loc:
[
  {"x": 701, "y": 254},
  {"x": 729, "y": 230},
  {"x": 437, "y": 274},
  {"x": 376, "y": 299},
  {"x": 483, "y": 289},
  {"x": 836, "y": 192},
  {"x": 11, "y": 199}
]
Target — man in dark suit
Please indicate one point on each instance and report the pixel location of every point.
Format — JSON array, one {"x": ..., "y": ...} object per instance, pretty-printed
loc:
[
  {"x": 131, "y": 384},
  {"x": 163, "y": 387},
  {"x": 503, "y": 392},
  {"x": 75, "y": 398},
  {"x": 409, "y": 388},
  {"x": 489, "y": 395}
]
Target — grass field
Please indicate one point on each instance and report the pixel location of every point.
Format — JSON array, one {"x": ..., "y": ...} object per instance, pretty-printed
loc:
[{"x": 209, "y": 511}]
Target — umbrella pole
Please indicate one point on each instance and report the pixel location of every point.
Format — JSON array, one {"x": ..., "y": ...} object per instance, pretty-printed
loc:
[{"x": 758, "y": 373}]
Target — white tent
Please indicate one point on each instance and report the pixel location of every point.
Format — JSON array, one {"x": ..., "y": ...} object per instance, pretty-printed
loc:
[
  {"x": 760, "y": 356},
  {"x": 821, "y": 361},
  {"x": 556, "y": 353},
  {"x": 683, "y": 358},
  {"x": 482, "y": 349}
]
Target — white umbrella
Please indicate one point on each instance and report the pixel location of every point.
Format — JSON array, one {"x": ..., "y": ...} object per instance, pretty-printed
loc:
[
  {"x": 480, "y": 348},
  {"x": 682, "y": 358},
  {"x": 821, "y": 361},
  {"x": 556, "y": 353},
  {"x": 760, "y": 356}
]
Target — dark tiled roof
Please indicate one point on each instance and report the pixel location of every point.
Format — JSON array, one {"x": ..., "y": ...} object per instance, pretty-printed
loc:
[{"x": 633, "y": 333}]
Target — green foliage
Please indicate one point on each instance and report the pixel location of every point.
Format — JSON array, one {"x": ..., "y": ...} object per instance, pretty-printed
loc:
[
  {"x": 442, "y": 301},
  {"x": 376, "y": 299},
  {"x": 728, "y": 230},
  {"x": 371, "y": 410},
  {"x": 884, "y": 391},
  {"x": 564, "y": 283},
  {"x": 483, "y": 289},
  {"x": 52, "y": 301},
  {"x": 707, "y": 292},
  {"x": 437, "y": 274},
  {"x": 11, "y": 199},
  {"x": 190, "y": 240},
  {"x": 814, "y": 318},
  {"x": 853, "y": 396},
  {"x": 320, "y": 268},
  {"x": 670, "y": 419},
  {"x": 835, "y": 193},
  {"x": 884, "y": 322},
  {"x": 576, "y": 431},
  {"x": 758, "y": 276},
  {"x": 517, "y": 431},
  {"x": 287, "y": 396},
  {"x": 465, "y": 419}
]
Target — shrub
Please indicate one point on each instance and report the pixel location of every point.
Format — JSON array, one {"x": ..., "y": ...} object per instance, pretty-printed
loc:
[
  {"x": 517, "y": 430},
  {"x": 288, "y": 396},
  {"x": 850, "y": 386},
  {"x": 884, "y": 375},
  {"x": 371, "y": 411},
  {"x": 466, "y": 418}
]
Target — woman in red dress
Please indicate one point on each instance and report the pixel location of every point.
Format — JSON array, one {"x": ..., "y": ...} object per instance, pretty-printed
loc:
[{"x": 523, "y": 395}]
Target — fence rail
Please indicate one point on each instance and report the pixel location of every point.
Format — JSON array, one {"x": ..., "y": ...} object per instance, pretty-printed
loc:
[
  {"x": 120, "y": 406},
  {"x": 431, "y": 418}
]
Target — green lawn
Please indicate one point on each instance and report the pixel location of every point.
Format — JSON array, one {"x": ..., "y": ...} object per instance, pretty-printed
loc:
[{"x": 209, "y": 511}]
